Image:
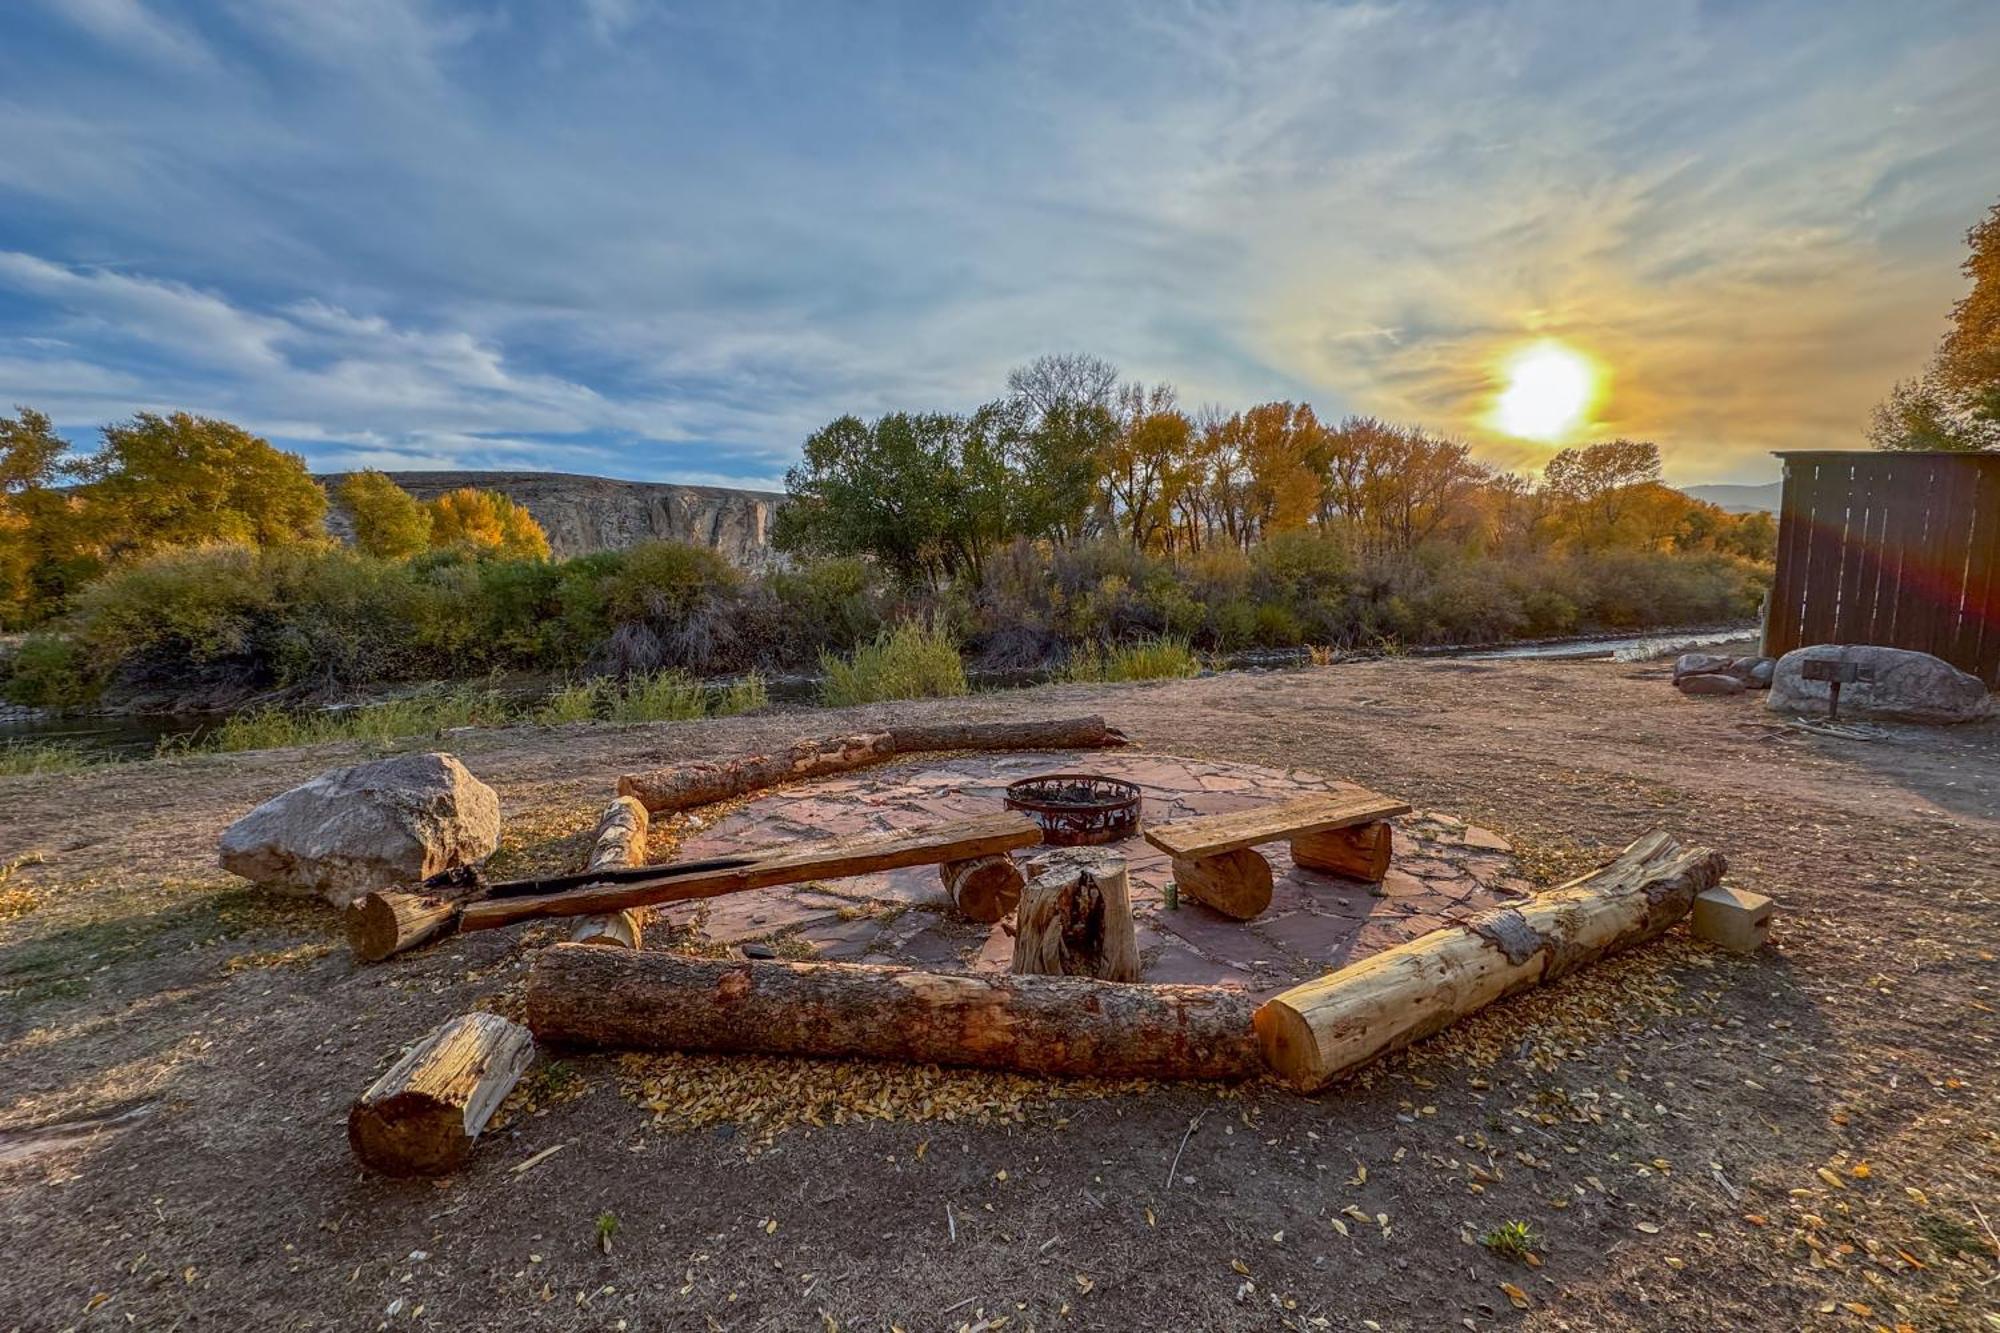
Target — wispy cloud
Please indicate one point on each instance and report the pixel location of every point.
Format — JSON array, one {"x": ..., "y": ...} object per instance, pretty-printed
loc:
[{"x": 660, "y": 240}]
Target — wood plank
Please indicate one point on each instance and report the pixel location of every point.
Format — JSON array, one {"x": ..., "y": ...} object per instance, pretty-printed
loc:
[
  {"x": 1983, "y": 595},
  {"x": 1944, "y": 554},
  {"x": 1909, "y": 506},
  {"x": 1827, "y": 539},
  {"x": 831, "y": 859},
  {"x": 1781, "y": 620},
  {"x": 1212, "y": 835}
]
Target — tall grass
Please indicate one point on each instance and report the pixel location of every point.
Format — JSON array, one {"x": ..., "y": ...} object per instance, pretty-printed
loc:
[
  {"x": 658, "y": 696},
  {"x": 1161, "y": 658},
  {"x": 396, "y": 719},
  {"x": 746, "y": 694},
  {"x": 20, "y": 757},
  {"x": 650, "y": 696},
  {"x": 913, "y": 661}
]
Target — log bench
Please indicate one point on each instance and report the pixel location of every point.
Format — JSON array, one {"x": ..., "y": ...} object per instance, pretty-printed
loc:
[{"x": 1343, "y": 833}]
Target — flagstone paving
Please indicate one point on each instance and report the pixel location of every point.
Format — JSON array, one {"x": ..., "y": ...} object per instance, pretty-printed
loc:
[{"x": 1444, "y": 870}]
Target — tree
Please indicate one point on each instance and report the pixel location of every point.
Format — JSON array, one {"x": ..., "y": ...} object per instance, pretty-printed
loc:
[
  {"x": 387, "y": 519},
  {"x": 1925, "y": 414},
  {"x": 1065, "y": 379},
  {"x": 1955, "y": 404},
  {"x": 1283, "y": 444},
  {"x": 1598, "y": 484},
  {"x": 488, "y": 523},
  {"x": 39, "y": 559},
  {"x": 182, "y": 480},
  {"x": 1058, "y": 461},
  {"x": 877, "y": 489},
  {"x": 1969, "y": 358}
]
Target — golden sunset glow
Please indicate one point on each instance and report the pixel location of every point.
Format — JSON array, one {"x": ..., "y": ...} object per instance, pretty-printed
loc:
[{"x": 1548, "y": 394}]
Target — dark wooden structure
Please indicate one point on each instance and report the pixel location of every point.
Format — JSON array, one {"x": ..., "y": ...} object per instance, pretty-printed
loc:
[{"x": 1898, "y": 549}]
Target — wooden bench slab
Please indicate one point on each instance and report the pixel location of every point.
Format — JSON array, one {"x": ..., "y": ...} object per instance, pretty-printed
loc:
[{"x": 1214, "y": 835}]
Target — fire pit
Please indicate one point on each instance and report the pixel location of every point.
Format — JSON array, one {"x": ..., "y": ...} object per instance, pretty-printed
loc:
[{"x": 1078, "y": 809}]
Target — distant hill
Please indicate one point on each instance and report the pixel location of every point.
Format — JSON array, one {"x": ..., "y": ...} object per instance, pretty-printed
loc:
[
  {"x": 1740, "y": 499},
  {"x": 584, "y": 514}
]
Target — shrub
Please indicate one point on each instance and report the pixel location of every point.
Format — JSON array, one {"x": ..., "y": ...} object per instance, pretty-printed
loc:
[
  {"x": 672, "y": 605},
  {"x": 1161, "y": 658},
  {"x": 913, "y": 661},
  {"x": 746, "y": 694},
  {"x": 825, "y": 604},
  {"x": 51, "y": 671},
  {"x": 574, "y": 701},
  {"x": 659, "y": 696}
]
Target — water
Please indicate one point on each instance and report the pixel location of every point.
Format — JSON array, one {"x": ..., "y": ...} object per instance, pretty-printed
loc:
[{"x": 127, "y": 736}]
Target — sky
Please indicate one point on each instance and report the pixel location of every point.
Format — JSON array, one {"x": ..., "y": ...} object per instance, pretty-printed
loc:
[{"x": 668, "y": 241}]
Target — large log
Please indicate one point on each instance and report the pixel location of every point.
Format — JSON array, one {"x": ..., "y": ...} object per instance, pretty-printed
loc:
[
  {"x": 857, "y": 855},
  {"x": 382, "y": 924},
  {"x": 984, "y": 888},
  {"x": 1361, "y": 852},
  {"x": 1075, "y": 918},
  {"x": 1236, "y": 884},
  {"x": 1049, "y": 1025},
  {"x": 1313, "y": 1033},
  {"x": 703, "y": 781},
  {"x": 618, "y": 843},
  {"x": 421, "y": 1118}
]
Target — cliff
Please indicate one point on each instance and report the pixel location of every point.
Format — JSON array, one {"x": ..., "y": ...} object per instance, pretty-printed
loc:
[{"x": 584, "y": 514}]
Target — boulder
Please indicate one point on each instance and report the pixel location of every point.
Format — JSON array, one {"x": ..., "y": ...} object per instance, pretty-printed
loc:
[
  {"x": 1711, "y": 683},
  {"x": 368, "y": 826},
  {"x": 1701, "y": 664},
  {"x": 1759, "y": 671},
  {"x": 1897, "y": 685}
]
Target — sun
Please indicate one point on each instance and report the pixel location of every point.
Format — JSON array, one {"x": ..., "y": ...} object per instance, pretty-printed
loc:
[{"x": 1548, "y": 394}]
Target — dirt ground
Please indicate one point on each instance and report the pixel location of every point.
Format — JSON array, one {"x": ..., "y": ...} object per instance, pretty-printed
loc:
[{"x": 1804, "y": 1139}]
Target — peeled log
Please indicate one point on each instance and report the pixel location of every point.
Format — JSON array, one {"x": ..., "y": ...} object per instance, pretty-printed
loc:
[
  {"x": 700, "y": 782},
  {"x": 383, "y": 924},
  {"x": 620, "y": 842},
  {"x": 421, "y": 1118},
  {"x": 1360, "y": 852},
  {"x": 1236, "y": 884},
  {"x": 1313, "y": 1033},
  {"x": 984, "y": 888},
  {"x": 1075, "y": 918},
  {"x": 1045, "y": 1025}
]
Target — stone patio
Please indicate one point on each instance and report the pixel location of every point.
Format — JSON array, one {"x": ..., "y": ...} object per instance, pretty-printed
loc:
[{"x": 1443, "y": 871}]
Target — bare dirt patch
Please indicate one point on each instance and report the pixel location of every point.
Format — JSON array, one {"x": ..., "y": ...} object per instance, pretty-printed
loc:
[{"x": 1691, "y": 1140}]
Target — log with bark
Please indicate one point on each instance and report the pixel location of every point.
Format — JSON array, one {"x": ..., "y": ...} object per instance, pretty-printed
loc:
[
  {"x": 831, "y": 859},
  {"x": 618, "y": 843},
  {"x": 1049, "y": 1025},
  {"x": 1075, "y": 918},
  {"x": 1316, "y": 1032},
  {"x": 702, "y": 781},
  {"x": 983, "y": 888},
  {"x": 422, "y": 1117},
  {"x": 1361, "y": 852}
]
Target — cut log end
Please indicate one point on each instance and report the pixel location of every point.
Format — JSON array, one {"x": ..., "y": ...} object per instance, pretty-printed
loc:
[
  {"x": 983, "y": 888},
  {"x": 621, "y": 930},
  {"x": 423, "y": 1116},
  {"x": 382, "y": 925},
  {"x": 1075, "y": 918},
  {"x": 1236, "y": 884}
]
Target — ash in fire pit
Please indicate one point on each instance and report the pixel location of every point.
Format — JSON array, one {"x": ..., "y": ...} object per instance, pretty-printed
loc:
[{"x": 1078, "y": 809}]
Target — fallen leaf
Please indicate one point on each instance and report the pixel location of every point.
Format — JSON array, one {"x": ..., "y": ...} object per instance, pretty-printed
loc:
[
  {"x": 1240, "y": 1267},
  {"x": 1830, "y": 1178},
  {"x": 1517, "y": 1297},
  {"x": 1650, "y": 1228},
  {"x": 1861, "y": 1171}
]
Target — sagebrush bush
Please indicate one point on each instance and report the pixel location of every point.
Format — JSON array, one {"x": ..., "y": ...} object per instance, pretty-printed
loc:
[{"x": 916, "y": 660}]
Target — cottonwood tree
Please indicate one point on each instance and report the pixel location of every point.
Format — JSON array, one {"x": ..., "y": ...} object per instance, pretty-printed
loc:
[
  {"x": 1597, "y": 484},
  {"x": 1955, "y": 404},
  {"x": 39, "y": 555},
  {"x": 486, "y": 523},
  {"x": 387, "y": 520},
  {"x": 1063, "y": 379}
]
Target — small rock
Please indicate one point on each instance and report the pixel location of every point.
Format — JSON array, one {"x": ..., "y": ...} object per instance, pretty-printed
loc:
[
  {"x": 1700, "y": 664},
  {"x": 1710, "y": 683},
  {"x": 367, "y": 826},
  {"x": 754, "y": 950},
  {"x": 1761, "y": 669}
]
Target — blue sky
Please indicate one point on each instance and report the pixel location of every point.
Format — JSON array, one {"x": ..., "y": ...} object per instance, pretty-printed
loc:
[{"x": 667, "y": 241}]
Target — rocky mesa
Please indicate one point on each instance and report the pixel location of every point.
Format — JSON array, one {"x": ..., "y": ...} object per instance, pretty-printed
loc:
[{"x": 583, "y": 514}]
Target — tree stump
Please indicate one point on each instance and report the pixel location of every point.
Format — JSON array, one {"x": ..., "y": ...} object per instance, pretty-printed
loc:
[
  {"x": 1236, "y": 884},
  {"x": 1075, "y": 918},
  {"x": 1361, "y": 852},
  {"x": 380, "y": 925},
  {"x": 620, "y": 842},
  {"x": 421, "y": 1118},
  {"x": 984, "y": 888}
]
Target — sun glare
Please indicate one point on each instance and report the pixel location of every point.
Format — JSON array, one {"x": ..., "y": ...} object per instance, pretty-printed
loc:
[{"x": 1549, "y": 390}]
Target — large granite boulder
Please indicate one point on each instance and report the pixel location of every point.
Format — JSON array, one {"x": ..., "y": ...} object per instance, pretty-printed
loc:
[
  {"x": 365, "y": 827},
  {"x": 1896, "y": 685}
]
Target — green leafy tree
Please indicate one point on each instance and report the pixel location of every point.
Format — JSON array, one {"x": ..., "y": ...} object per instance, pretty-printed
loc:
[
  {"x": 387, "y": 519},
  {"x": 882, "y": 490},
  {"x": 182, "y": 480},
  {"x": 488, "y": 523}
]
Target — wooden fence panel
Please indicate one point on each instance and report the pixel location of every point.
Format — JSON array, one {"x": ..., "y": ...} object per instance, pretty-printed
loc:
[{"x": 1895, "y": 549}]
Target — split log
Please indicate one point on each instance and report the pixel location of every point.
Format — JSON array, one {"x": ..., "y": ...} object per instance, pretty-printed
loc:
[
  {"x": 831, "y": 859},
  {"x": 380, "y": 925},
  {"x": 700, "y": 782},
  {"x": 619, "y": 842},
  {"x": 1313, "y": 1033},
  {"x": 421, "y": 1118},
  {"x": 1361, "y": 852},
  {"x": 1236, "y": 884},
  {"x": 1046, "y": 1025},
  {"x": 1075, "y": 918},
  {"x": 984, "y": 888}
]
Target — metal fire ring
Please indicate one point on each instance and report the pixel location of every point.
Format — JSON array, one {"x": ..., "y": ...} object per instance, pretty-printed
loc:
[{"x": 1078, "y": 809}]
